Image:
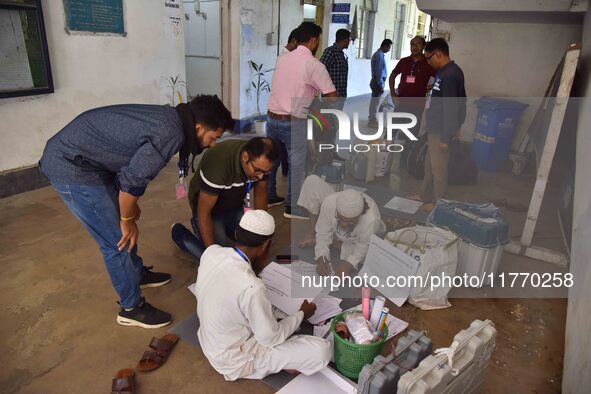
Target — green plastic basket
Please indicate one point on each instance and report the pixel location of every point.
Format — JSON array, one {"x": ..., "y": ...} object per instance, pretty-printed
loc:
[{"x": 351, "y": 357}]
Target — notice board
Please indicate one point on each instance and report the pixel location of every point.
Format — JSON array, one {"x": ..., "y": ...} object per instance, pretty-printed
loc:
[{"x": 94, "y": 16}]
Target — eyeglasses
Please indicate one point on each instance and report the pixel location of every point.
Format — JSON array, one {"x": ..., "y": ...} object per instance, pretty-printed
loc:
[
  {"x": 429, "y": 57},
  {"x": 257, "y": 171}
]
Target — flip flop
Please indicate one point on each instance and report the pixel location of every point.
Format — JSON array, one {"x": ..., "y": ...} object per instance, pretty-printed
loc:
[
  {"x": 124, "y": 382},
  {"x": 160, "y": 350}
]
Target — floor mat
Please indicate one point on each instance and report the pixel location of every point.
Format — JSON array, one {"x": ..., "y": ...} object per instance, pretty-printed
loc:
[{"x": 187, "y": 331}]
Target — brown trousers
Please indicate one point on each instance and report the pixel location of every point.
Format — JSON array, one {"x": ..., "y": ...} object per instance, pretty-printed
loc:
[{"x": 434, "y": 183}]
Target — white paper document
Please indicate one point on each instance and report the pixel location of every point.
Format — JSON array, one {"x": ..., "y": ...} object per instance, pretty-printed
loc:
[
  {"x": 358, "y": 188},
  {"x": 279, "y": 280},
  {"x": 324, "y": 381},
  {"x": 191, "y": 288},
  {"x": 389, "y": 263},
  {"x": 403, "y": 205},
  {"x": 395, "y": 325},
  {"x": 326, "y": 308}
]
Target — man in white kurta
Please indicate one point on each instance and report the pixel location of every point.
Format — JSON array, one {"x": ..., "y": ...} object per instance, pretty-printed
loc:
[
  {"x": 238, "y": 332},
  {"x": 331, "y": 210}
]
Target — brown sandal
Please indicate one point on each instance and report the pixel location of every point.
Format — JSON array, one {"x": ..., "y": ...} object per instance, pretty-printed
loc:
[
  {"x": 160, "y": 349},
  {"x": 124, "y": 382}
]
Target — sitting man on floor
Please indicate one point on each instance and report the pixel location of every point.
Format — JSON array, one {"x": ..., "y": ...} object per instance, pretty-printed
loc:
[
  {"x": 239, "y": 334},
  {"x": 349, "y": 216},
  {"x": 217, "y": 192}
]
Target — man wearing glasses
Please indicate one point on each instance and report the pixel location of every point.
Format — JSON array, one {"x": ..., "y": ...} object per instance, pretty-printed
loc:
[
  {"x": 220, "y": 191},
  {"x": 446, "y": 112}
]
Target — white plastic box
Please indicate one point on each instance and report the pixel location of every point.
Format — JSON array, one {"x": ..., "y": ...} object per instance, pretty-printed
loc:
[
  {"x": 470, "y": 360},
  {"x": 476, "y": 261}
]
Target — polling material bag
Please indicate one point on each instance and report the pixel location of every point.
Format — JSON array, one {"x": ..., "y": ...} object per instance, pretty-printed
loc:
[
  {"x": 436, "y": 250},
  {"x": 417, "y": 153}
]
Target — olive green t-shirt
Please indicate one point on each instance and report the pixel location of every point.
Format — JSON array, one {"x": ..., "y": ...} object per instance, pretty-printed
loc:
[{"x": 220, "y": 173}]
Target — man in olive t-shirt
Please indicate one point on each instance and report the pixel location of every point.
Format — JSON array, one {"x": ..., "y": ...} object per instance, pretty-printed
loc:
[{"x": 217, "y": 192}]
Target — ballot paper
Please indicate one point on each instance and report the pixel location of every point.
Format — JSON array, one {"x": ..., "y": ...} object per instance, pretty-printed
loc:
[
  {"x": 390, "y": 263},
  {"x": 403, "y": 205},
  {"x": 358, "y": 188},
  {"x": 326, "y": 307},
  {"x": 324, "y": 381}
]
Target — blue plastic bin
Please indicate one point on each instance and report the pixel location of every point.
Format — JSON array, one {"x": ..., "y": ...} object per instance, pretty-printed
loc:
[{"x": 495, "y": 127}]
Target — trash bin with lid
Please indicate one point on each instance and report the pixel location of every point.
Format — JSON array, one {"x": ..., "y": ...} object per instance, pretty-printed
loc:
[{"x": 495, "y": 127}]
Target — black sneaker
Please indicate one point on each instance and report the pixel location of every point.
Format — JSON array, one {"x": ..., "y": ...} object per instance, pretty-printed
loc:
[
  {"x": 153, "y": 279},
  {"x": 273, "y": 201},
  {"x": 295, "y": 213},
  {"x": 144, "y": 315}
]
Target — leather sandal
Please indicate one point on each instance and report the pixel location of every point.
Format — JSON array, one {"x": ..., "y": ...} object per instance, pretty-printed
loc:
[
  {"x": 160, "y": 349},
  {"x": 124, "y": 382}
]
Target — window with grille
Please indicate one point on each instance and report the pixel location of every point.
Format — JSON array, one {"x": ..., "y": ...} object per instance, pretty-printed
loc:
[
  {"x": 24, "y": 60},
  {"x": 365, "y": 23}
]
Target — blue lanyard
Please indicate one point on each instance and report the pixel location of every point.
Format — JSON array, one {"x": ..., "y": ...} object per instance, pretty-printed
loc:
[{"x": 241, "y": 254}]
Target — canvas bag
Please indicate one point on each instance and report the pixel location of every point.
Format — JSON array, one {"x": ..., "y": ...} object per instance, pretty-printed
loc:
[{"x": 436, "y": 250}]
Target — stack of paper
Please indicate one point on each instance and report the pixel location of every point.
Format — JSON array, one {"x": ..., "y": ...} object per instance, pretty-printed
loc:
[
  {"x": 403, "y": 205},
  {"x": 279, "y": 280},
  {"x": 326, "y": 308}
]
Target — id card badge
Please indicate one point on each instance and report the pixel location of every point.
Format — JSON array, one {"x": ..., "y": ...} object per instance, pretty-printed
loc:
[
  {"x": 410, "y": 79},
  {"x": 181, "y": 189}
]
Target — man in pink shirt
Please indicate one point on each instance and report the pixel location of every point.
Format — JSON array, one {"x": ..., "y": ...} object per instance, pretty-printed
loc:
[{"x": 297, "y": 79}]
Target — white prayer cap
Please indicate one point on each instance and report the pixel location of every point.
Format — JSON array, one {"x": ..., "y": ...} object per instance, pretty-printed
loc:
[
  {"x": 350, "y": 203},
  {"x": 258, "y": 222}
]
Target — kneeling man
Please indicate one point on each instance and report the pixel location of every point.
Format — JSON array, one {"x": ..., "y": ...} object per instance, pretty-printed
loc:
[
  {"x": 239, "y": 334},
  {"x": 348, "y": 218}
]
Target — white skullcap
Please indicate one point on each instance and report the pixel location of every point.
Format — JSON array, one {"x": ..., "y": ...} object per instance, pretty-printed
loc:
[
  {"x": 350, "y": 203},
  {"x": 258, "y": 222}
]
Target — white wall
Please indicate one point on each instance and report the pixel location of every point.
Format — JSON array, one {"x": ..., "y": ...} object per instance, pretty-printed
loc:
[
  {"x": 577, "y": 359},
  {"x": 91, "y": 71},
  {"x": 257, "y": 18},
  {"x": 507, "y": 60},
  {"x": 202, "y": 48}
]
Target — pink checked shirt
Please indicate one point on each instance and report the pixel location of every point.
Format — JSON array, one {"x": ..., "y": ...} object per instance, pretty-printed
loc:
[{"x": 298, "y": 74}]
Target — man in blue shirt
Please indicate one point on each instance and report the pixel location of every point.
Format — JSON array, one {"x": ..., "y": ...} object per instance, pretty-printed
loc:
[
  {"x": 101, "y": 163},
  {"x": 379, "y": 73}
]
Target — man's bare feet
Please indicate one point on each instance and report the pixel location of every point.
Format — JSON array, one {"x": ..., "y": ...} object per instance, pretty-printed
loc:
[
  {"x": 292, "y": 371},
  {"x": 307, "y": 242},
  {"x": 416, "y": 197},
  {"x": 427, "y": 206}
]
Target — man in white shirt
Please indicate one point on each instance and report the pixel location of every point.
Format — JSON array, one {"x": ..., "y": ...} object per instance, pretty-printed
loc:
[
  {"x": 348, "y": 217},
  {"x": 239, "y": 334},
  {"x": 292, "y": 43},
  {"x": 298, "y": 76}
]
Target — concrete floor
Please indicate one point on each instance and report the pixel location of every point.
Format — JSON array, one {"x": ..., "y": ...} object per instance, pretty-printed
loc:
[{"x": 58, "y": 312}]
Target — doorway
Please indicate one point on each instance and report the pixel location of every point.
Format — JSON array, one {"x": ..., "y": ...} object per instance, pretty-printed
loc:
[{"x": 202, "y": 48}]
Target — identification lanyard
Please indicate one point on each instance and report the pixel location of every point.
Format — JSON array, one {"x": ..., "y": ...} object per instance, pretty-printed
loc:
[
  {"x": 181, "y": 187},
  {"x": 241, "y": 254},
  {"x": 248, "y": 189}
]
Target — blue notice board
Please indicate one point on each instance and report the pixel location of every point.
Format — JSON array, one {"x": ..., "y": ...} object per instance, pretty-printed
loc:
[
  {"x": 341, "y": 7},
  {"x": 95, "y": 16},
  {"x": 340, "y": 18}
]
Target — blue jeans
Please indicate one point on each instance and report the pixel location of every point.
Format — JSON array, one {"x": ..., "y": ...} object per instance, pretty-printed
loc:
[
  {"x": 224, "y": 226},
  {"x": 97, "y": 207},
  {"x": 293, "y": 135}
]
